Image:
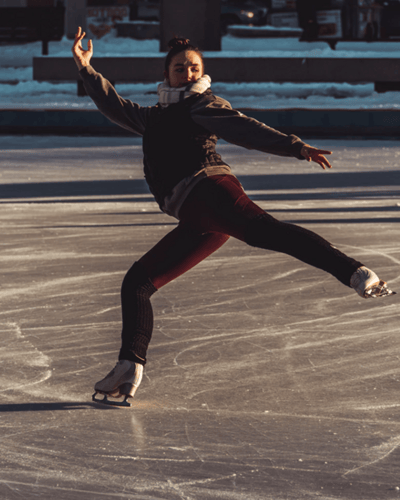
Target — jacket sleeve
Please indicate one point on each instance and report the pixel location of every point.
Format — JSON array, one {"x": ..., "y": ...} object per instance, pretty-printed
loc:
[
  {"x": 217, "y": 116},
  {"x": 123, "y": 112}
]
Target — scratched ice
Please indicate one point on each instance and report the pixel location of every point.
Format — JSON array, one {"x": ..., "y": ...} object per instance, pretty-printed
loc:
[{"x": 266, "y": 379}]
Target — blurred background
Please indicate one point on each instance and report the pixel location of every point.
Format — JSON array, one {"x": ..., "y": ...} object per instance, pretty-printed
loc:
[
  {"x": 246, "y": 29},
  {"x": 317, "y": 19}
]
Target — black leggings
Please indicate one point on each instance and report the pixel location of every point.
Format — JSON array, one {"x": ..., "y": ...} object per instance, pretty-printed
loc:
[{"x": 215, "y": 209}]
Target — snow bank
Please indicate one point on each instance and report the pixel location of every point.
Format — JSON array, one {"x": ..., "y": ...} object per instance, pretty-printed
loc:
[{"x": 18, "y": 90}]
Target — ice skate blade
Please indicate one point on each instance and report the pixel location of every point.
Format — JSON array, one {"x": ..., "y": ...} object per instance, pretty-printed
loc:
[
  {"x": 380, "y": 290},
  {"x": 121, "y": 404}
]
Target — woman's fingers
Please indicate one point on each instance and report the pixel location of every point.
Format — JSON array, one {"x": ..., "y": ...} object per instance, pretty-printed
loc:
[
  {"x": 316, "y": 155},
  {"x": 80, "y": 35},
  {"x": 322, "y": 161},
  {"x": 78, "y": 38},
  {"x": 78, "y": 48},
  {"x": 307, "y": 150},
  {"x": 313, "y": 152},
  {"x": 327, "y": 162}
]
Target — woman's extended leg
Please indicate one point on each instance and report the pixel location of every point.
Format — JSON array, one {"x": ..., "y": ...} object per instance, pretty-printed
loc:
[{"x": 219, "y": 204}]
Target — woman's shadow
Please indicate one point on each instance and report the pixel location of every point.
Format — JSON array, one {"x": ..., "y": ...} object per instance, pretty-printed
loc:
[{"x": 51, "y": 406}]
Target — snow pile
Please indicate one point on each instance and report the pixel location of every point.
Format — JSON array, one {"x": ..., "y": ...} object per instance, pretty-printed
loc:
[{"x": 18, "y": 90}]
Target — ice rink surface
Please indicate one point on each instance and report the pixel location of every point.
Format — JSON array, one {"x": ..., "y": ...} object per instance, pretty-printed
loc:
[{"x": 266, "y": 379}]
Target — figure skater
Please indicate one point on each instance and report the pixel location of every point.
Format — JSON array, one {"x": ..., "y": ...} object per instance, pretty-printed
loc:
[{"x": 191, "y": 182}]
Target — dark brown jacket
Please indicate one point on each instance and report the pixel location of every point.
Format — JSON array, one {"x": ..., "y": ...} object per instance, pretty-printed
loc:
[{"x": 180, "y": 139}]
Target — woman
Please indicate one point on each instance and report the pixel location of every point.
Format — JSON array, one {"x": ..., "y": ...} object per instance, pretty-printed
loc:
[{"x": 191, "y": 182}]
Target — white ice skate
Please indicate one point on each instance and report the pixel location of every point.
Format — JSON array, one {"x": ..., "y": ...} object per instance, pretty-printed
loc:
[
  {"x": 123, "y": 380},
  {"x": 367, "y": 284}
]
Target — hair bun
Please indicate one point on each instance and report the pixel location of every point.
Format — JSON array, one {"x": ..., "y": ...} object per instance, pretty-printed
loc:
[{"x": 175, "y": 43}]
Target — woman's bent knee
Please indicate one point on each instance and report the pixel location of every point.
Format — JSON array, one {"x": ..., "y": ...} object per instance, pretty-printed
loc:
[{"x": 137, "y": 281}]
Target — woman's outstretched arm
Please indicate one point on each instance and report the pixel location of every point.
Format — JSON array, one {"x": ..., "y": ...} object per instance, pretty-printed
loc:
[
  {"x": 121, "y": 111},
  {"x": 216, "y": 115}
]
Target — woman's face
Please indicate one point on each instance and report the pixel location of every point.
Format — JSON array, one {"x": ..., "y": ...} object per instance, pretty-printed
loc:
[{"x": 186, "y": 67}]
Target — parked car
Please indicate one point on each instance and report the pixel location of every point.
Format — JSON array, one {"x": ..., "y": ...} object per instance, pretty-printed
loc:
[{"x": 251, "y": 12}]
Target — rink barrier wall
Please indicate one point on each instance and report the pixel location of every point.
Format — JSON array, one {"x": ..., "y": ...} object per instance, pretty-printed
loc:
[{"x": 301, "y": 122}]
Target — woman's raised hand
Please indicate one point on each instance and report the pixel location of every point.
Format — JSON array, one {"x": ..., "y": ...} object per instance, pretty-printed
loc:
[
  {"x": 81, "y": 56},
  {"x": 317, "y": 155}
]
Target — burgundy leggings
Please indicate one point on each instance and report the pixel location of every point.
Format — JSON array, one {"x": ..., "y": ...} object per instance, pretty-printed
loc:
[{"x": 215, "y": 209}]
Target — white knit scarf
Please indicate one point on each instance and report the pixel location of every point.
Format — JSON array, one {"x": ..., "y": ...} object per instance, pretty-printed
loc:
[{"x": 169, "y": 95}]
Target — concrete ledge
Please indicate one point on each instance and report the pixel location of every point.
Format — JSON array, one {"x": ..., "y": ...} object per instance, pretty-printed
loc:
[
  {"x": 302, "y": 122},
  {"x": 229, "y": 69}
]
